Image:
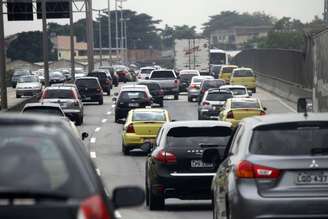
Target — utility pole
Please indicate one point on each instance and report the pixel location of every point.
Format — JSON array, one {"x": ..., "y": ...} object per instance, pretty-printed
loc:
[
  {"x": 116, "y": 28},
  {"x": 45, "y": 43},
  {"x": 100, "y": 39},
  {"x": 71, "y": 22},
  {"x": 325, "y": 14},
  {"x": 90, "y": 43},
  {"x": 4, "y": 103},
  {"x": 109, "y": 35},
  {"x": 122, "y": 34}
]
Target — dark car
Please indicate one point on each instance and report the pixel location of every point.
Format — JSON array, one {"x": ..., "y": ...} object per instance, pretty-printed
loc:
[
  {"x": 105, "y": 79},
  {"x": 208, "y": 84},
  {"x": 175, "y": 169},
  {"x": 212, "y": 102},
  {"x": 185, "y": 77},
  {"x": 90, "y": 89},
  {"x": 128, "y": 99},
  {"x": 46, "y": 173},
  {"x": 68, "y": 99},
  {"x": 276, "y": 167},
  {"x": 155, "y": 90},
  {"x": 56, "y": 77},
  {"x": 215, "y": 71},
  {"x": 17, "y": 74},
  {"x": 122, "y": 72},
  {"x": 112, "y": 73}
]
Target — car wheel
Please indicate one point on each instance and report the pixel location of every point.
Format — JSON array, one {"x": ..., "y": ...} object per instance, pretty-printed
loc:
[
  {"x": 18, "y": 96},
  {"x": 117, "y": 118},
  {"x": 125, "y": 150},
  {"x": 79, "y": 121},
  {"x": 176, "y": 97},
  {"x": 108, "y": 92},
  {"x": 254, "y": 90},
  {"x": 161, "y": 104},
  {"x": 101, "y": 101},
  {"x": 189, "y": 99},
  {"x": 155, "y": 202}
]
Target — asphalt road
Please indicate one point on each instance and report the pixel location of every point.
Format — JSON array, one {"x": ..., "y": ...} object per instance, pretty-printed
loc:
[{"x": 104, "y": 146}]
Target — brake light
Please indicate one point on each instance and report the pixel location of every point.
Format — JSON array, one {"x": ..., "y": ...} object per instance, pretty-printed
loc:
[
  {"x": 176, "y": 82},
  {"x": 107, "y": 81},
  {"x": 230, "y": 115},
  {"x": 161, "y": 92},
  {"x": 165, "y": 157},
  {"x": 247, "y": 170},
  {"x": 206, "y": 103},
  {"x": 130, "y": 128},
  {"x": 203, "y": 91},
  {"x": 262, "y": 113},
  {"x": 93, "y": 208},
  {"x": 45, "y": 94},
  {"x": 193, "y": 86}
]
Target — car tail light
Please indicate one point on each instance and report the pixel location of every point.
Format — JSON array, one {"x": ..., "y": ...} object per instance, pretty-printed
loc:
[
  {"x": 107, "y": 81},
  {"x": 45, "y": 95},
  {"x": 130, "y": 128},
  {"x": 230, "y": 115},
  {"x": 98, "y": 89},
  {"x": 262, "y": 113},
  {"x": 248, "y": 170},
  {"x": 93, "y": 208},
  {"x": 206, "y": 103},
  {"x": 193, "y": 86},
  {"x": 165, "y": 157},
  {"x": 203, "y": 91},
  {"x": 176, "y": 82},
  {"x": 161, "y": 92}
]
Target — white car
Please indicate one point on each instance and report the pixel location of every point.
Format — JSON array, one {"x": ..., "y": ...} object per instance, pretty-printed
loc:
[
  {"x": 29, "y": 85},
  {"x": 238, "y": 91},
  {"x": 145, "y": 72}
]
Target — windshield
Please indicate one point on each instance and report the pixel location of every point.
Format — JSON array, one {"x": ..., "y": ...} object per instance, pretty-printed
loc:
[
  {"x": 290, "y": 141},
  {"x": 58, "y": 94},
  {"x": 148, "y": 116},
  {"x": 227, "y": 69},
  {"x": 28, "y": 79},
  {"x": 245, "y": 105},
  {"x": 32, "y": 160},
  {"x": 213, "y": 84},
  {"x": 238, "y": 91},
  {"x": 218, "y": 96},
  {"x": 19, "y": 73},
  {"x": 187, "y": 77},
  {"x": 90, "y": 83},
  {"x": 146, "y": 71},
  {"x": 162, "y": 74},
  {"x": 243, "y": 73},
  {"x": 218, "y": 58},
  {"x": 130, "y": 95}
]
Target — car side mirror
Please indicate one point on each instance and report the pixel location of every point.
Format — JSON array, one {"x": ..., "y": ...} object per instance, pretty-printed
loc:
[
  {"x": 250, "y": 93},
  {"x": 124, "y": 197},
  {"x": 211, "y": 155},
  {"x": 84, "y": 135}
]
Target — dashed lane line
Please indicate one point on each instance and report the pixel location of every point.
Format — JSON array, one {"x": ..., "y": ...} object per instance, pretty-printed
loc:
[
  {"x": 98, "y": 172},
  {"x": 93, "y": 140},
  {"x": 93, "y": 154},
  {"x": 97, "y": 129},
  {"x": 109, "y": 113},
  {"x": 104, "y": 120}
]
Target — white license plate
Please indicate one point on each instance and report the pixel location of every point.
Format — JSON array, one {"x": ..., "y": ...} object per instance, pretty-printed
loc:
[
  {"x": 312, "y": 178},
  {"x": 200, "y": 164},
  {"x": 133, "y": 104},
  {"x": 87, "y": 98}
]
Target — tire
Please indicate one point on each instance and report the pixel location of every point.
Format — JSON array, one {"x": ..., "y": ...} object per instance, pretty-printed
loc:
[
  {"x": 116, "y": 118},
  {"x": 125, "y": 150},
  {"x": 155, "y": 202},
  {"x": 189, "y": 99},
  {"x": 161, "y": 104},
  {"x": 18, "y": 96},
  {"x": 101, "y": 101},
  {"x": 254, "y": 90},
  {"x": 108, "y": 92},
  {"x": 176, "y": 97},
  {"x": 79, "y": 121}
]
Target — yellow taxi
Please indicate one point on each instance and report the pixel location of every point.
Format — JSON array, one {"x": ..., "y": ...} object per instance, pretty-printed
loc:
[
  {"x": 236, "y": 109},
  {"x": 226, "y": 71},
  {"x": 244, "y": 76},
  {"x": 142, "y": 126}
]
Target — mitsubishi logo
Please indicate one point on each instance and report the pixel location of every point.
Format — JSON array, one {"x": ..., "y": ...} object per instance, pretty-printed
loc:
[{"x": 314, "y": 164}]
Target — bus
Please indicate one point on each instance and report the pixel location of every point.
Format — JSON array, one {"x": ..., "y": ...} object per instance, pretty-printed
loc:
[{"x": 218, "y": 57}]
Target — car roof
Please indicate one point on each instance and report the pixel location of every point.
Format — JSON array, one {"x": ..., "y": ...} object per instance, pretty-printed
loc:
[
  {"x": 225, "y": 66},
  {"x": 54, "y": 105},
  {"x": 99, "y": 71},
  {"x": 88, "y": 78},
  {"x": 29, "y": 119},
  {"x": 60, "y": 88},
  {"x": 244, "y": 99},
  {"x": 149, "y": 110},
  {"x": 243, "y": 68},
  {"x": 218, "y": 90},
  {"x": 196, "y": 124},
  {"x": 148, "y": 67},
  {"x": 202, "y": 76},
  {"x": 232, "y": 86},
  {"x": 64, "y": 85},
  {"x": 147, "y": 82},
  {"x": 127, "y": 87},
  {"x": 274, "y": 119}
]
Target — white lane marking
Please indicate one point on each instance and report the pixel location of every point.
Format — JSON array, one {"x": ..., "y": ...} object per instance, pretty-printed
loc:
[
  {"x": 113, "y": 106},
  {"x": 93, "y": 154},
  {"x": 118, "y": 214},
  {"x": 97, "y": 129},
  {"x": 104, "y": 120},
  {"x": 93, "y": 140},
  {"x": 108, "y": 113},
  {"x": 98, "y": 172},
  {"x": 286, "y": 105}
]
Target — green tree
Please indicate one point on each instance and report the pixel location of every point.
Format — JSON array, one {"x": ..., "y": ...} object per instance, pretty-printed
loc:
[{"x": 27, "y": 47}]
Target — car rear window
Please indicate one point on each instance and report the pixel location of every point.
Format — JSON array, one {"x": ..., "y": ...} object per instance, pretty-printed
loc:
[
  {"x": 130, "y": 95},
  {"x": 146, "y": 71},
  {"x": 148, "y": 116},
  {"x": 213, "y": 84},
  {"x": 290, "y": 141},
  {"x": 162, "y": 74},
  {"x": 216, "y": 69},
  {"x": 218, "y": 96},
  {"x": 151, "y": 86},
  {"x": 243, "y": 73},
  {"x": 32, "y": 160},
  {"x": 245, "y": 104},
  {"x": 90, "y": 83},
  {"x": 191, "y": 137},
  {"x": 100, "y": 75},
  {"x": 187, "y": 77},
  {"x": 238, "y": 91},
  {"x": 44, "y": 110},
  {"x": 228, "y": 69},
  {"x": 58, "y": 94}
]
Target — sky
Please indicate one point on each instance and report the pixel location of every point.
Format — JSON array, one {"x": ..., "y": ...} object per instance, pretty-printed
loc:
[{"x": 194, "y": 12}]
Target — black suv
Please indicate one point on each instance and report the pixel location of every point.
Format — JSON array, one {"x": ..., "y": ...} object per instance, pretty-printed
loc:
[
  {"x": 130, "y": 99},
  {"x": 112, "y": 73},
  {"x": 104, "y": 78},
  {"x": 90, "y": 89},
  {"x": 175, "y": 168},
  {"x": 208, "y": 84},
  {"x": 155, "y": 90}
]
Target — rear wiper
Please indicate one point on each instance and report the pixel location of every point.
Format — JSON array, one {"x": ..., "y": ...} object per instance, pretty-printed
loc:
[
  {"x": 319, "y": 151},
  {"x": 35, "y": 194},
  {"x": 202, "y": 145}
]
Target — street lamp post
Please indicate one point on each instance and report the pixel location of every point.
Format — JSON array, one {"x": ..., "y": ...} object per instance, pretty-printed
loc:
[
  {"x": 116, "y": 27},
  {"x": 109, "y": 35},
  {"x": 100, "y": 40},
  {"x": 122, "y": 34}
]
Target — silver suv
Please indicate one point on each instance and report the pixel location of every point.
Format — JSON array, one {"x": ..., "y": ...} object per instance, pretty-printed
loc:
[{"x": 276, "y": 167}]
